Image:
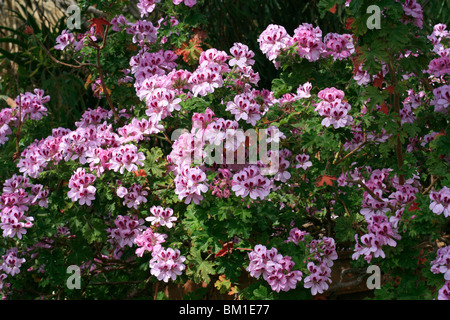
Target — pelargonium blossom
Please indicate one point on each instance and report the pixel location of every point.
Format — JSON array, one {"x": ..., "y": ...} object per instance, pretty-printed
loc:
[
  {"x": 161, "y": 216},
  {"x": 167, "y": 264}
]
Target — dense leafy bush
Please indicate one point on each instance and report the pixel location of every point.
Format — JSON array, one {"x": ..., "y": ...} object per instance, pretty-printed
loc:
[{"x": 189, "y": 169}]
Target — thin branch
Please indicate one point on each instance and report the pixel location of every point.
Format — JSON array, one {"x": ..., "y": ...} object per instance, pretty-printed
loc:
[
  {"x": 398, "y": 146},
  {"x": 78, "y": 66},
  {"x": 433, "y": 181},
  {"x": 102, "y": 76},
  {"x": 353, "y": 151}
]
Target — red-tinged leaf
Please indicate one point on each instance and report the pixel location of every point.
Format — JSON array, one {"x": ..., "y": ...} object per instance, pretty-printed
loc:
[
  {"x": 414, "y": 206},
  {"x": 226, "y": 248},
  {"x": 333, "y": 9},
  {"x": 328, "y": 180},
  {"x": 390, "y": 89},
  {"x": 378, "y": 82},
  {"x": 190, "y": 51},
  {"x": 384, "y": 108},
  {"x": 98, "y": 23},
  {"x": 348, "y": 23}
]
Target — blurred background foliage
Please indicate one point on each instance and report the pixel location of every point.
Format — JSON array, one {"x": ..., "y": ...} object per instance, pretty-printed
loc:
[{"x": 24, "y": 65}]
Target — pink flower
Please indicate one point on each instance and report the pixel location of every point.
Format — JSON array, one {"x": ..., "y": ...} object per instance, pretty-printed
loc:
[
  {"x": 80, "y": 186},
  {"x": 146, "y": 6},
  {"x": 441, "y": 99},
  {"x": 167, "y": 264},
  {"x": 296, "y": 235},
  {"x": 442, "y": 262},
  {"x": 206, "y": 79},
  {"x": 161, "y": 216},
  {"x": 190, "y": 183},
  {"x": 189, "y": 3},
  {"x": 242, "y": 56},
  {"x": 308, "y": 42},
  {"x": 244, "y": 107},
  {"x": 148, "y": 241},
  {"x": 65, "y": 39},
  {"x": 134, "y": 196},
  {"x": 318, "y": 279},
  {"x": 126, "y": 158},
  {"x": 273, "y": 40},
  {"x": 414, "y": 10},
  {"x": 249, "y": 182},
  {"x": 303, "y": 161},
  {"x": 444, "y": 291},
  {"x": 11, "y": 262},
  {"x": 275, "y": 268},
  {"x": 126, "y": 230},
  {"x": 440, "y": 201},
  {"x": 303, "y": 91}
]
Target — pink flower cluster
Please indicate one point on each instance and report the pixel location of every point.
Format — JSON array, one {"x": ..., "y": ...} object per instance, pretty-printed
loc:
[
  {"x": 222, "y": 184},
  {"x": 324, "y": 250},
  {"x": 11, "y": 262},
  {"x": 250, "y": 182},
  {"x": 146, "y": 6},
  {"x": 161, "y": 217},
  {"x": 15, "y": 201},
  {"x": 436, "y": 38},
  {"x": 143, "y": 32},
  {"x": 32, "y": 105},
  {"x": 296, "y": 235},
  {"x": 339, "y": 46},
  {"x": 333, "y": 108},
  {"x": 307, "y": 42},
  {"x": 126, "y": 231},
  {"x": 440, "y": 66},
  {"x": 126, "y": 157},
  {"x": 414, "y": 12},
  {"x": 248, "y": 175},
  {"x": 189, "y": 3},
  {"x": 66, "y": 38},
  {"x": 380, "y": 233},
  {"x": 303, "y": 161},
  {"x": 138, "y": 129},
  {"x": 190, "y": 183},
  {"x": 440, "y": 201},
  {"x": 441, "y": 265},
  {"x": 208, "y": 76},
  {"x": 411, "y": 102},
  {"x": 273, "y": 40},
  {"x": 166, "y": 264},
  {"x": 244, "y": 107},
  {"x": 148, "y": 240},
  {"x": 81, "y": 188},
  {"x": 444, "y": 292},
  {"x": 275, "y": 268},
  {"x": 318, "y": 279},
  {"x": 134, "y": 196},
  {"x": 155, "y": 82},
  {"x": 6, "y": 118},
  {"x": 441, "y": 99},
  {"x": 442, "y": 262},
  {"x": 28, "y": 106}
]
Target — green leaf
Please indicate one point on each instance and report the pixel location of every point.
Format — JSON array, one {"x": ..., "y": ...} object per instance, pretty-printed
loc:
[
  {"x": 200, "y": 268},
  {"x": 154, "y": 163}
]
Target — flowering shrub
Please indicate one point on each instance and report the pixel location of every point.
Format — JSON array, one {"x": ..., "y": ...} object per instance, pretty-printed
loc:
[{"x": 188, "y": 171}]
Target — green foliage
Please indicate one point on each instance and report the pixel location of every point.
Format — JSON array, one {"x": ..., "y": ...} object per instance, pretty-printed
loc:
[{"x": 217, "y": 234}]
